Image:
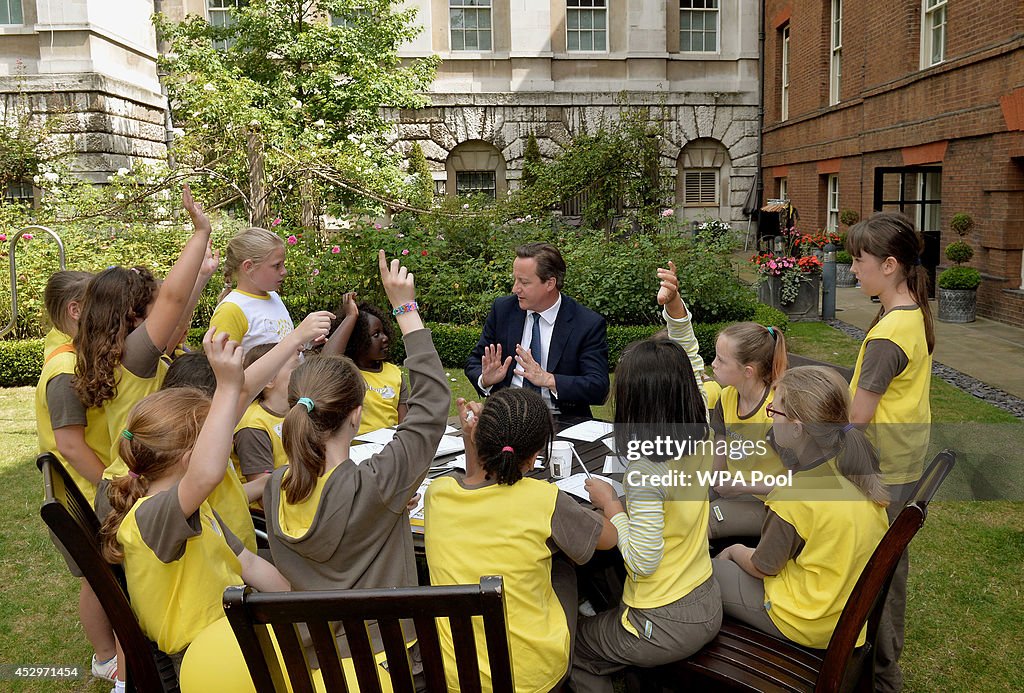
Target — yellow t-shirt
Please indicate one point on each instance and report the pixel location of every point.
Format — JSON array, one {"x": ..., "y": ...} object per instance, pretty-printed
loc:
[
  {"x": 260, "y": 419},
  {"x": 53, "y": 339},
  {"x": 177, "y": 568},
  {"x": 900, "y": 429},
  {"x": 96, "y": 434},
  {"x": 232, "y": 504},
  {"x": 511, "y": 542},
  {"x": 380, "y": 406},
  {"x": 753, "y": 428},
  {"x": 841, "y": 528}
]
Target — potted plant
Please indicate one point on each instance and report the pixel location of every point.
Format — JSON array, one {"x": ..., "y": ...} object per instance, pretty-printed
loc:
[
  {"x": 789, "y": 283},
  {"x": 958, "y": 285},
  {"x": 845, "y": 277}
]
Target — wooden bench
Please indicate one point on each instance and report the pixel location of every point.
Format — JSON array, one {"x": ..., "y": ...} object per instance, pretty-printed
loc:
[
  {"x": 74, "y": 523},
  {"x": 253, "y": 615},
  {"x": 745, "y": 659}
]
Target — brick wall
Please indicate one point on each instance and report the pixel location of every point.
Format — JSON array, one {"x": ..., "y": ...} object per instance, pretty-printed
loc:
[{"x": 888, "y": 104}]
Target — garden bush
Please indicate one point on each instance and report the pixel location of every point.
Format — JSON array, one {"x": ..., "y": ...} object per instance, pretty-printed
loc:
[{"x": 21, "y": 362}]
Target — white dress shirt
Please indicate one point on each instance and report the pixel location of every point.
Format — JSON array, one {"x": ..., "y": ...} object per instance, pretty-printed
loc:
[{"x": 547, "y": 328}]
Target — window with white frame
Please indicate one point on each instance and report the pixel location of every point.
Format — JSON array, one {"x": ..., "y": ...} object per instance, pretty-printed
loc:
[
  {"x": 698, "y": 26},
  {"x": 833, "y": 203},
  {"x": 10, "y": 12},
  {"x": 586, "y": 25},
  {"x": 784, "y": 75},
  {"x": 700, "y": 188},
  {"x": 476, "y": 183},
  {"x": 470, "y": 22},
  {"x": 218, "y": 13},
  {"x": 933, "y": 33},
  {"x": 784, "y": 188},
  {"x": 835, "y": 63}
]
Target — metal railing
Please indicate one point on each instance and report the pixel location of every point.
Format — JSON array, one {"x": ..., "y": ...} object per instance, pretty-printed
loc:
[{"x": 14, "y": 271}]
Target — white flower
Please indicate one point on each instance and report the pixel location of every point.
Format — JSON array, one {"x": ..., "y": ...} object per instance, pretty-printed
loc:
[
  {"x": 465, "y": 206},
  {"x": 51, "y": 177},
  {"x": 161, "y": 211},
  {"x": 36, "y": 179},
  {"x": 122, "y": 171},
  {"x": 528, "y": 217},
  {"x": 319, "y": 135},
  {"x": 319, "y": 123},
  {"x": 409, "y": 180},
  {"x": 209, "y": 87},
  {"x": 119, "y": 196}
]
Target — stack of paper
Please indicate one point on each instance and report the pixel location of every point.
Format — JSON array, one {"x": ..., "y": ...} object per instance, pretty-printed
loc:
[
  {"x": 588, "y": 431},
  {"x": 449, "y": 445},
  {"x": 361, "y": 453}
]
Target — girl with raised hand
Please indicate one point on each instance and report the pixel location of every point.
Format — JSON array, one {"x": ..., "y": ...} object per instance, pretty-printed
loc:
[
  {"x": 128, "y": 322},
  {"x": 492, "y": 521},
  {"x": 249, "y": 308},
  {"x": 365, "y": 336},
  {"x": 178, "y": 554},
  {"x": 819, "y": 532},
  {"x": 670, "y": 606},
  {"x": 749, "y": 358},
  {"x": 334, "y": 524},
  {"x": 891, "y": 386}
]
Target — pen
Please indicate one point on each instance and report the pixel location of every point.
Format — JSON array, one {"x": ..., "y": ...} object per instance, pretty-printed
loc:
[{"x": 577, "y": 456}]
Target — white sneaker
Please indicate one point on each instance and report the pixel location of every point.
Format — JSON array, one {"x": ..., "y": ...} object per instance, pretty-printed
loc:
[{"x": 105, "y": 670}]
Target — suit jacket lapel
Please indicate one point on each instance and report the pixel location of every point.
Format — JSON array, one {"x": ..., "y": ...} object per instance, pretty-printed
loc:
[{"x": 560, "y": 333}]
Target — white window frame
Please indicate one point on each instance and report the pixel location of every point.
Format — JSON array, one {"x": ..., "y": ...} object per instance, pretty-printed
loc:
[
  {"x": 222, "y": 12},
  {"x": 14, "y": 12},
  {"x": 784, "y": 76},
  {"x": 835, "y": 61},
  {"x": 784, "y": 188},
  {"x": 691, "y": 12},
  {"x": 933, "y": 32},
  {"x": 700, "y": 181},
  {"x": 575, "y": 12},
  {"x": 478, "y": 10},
  {"x": 832, "y": 223}
]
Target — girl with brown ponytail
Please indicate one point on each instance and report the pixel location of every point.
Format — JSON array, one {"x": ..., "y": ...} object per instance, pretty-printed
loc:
[
  {"x": 178, "y": 554},
  {"x": 492, "y": 521},
  {"x": 821, "y": 529},
  {"x": 891, "y": 386},
  {"x": 335, "y": 524}
]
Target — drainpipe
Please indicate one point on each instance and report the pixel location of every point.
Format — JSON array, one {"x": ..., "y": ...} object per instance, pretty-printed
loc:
[{"x": 759, "y": 177}]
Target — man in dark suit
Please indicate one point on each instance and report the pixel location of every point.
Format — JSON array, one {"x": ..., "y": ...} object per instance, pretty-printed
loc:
[{"x": 560, "y": 347}]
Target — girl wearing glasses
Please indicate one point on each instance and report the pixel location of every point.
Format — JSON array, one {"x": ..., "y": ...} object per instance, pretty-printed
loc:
[{"x": 821, "y": 530}]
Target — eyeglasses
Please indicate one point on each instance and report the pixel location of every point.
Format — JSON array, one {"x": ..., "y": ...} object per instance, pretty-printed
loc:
[{"x": 772, "y": 412}]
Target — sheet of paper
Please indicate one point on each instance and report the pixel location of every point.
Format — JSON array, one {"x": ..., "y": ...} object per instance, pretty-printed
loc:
[
  {"x": 361, "y": 453},
  {"x": 449, "y": 445},
  {"x": 574, "y": 485},
  {"x": 381, "y": 436},
  {"x": 416, "y": 514},
  {"x": 449, "y": 430},
  {"x": 588, "y": 431},
  {"x": 610, "y": 443},
  {"x": 613, "y": 464}
]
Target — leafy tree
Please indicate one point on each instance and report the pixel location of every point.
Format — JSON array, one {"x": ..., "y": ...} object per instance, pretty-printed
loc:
[
  {"x": 424, "y": 181},
  {"x": 532, "y": 161},
  {"x": 316, "y": 91}
]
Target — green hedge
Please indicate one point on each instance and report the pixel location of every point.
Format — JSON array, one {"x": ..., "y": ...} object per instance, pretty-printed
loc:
[{"x": 21, "y": 362}]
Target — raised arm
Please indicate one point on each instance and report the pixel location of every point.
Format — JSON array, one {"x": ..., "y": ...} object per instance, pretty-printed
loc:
[
  {"x": 211, "y": 261},
  {"x": 208, "y": 459},
  {"x": 338, "y": 342},
  {"x": 162, "y": 321}
]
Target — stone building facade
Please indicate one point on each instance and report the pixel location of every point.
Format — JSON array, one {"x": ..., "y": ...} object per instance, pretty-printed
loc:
[
  {"x": 556, "y": 68},
  {"x": 919, "y": 106},
  {"x": 91, "y": 64}
]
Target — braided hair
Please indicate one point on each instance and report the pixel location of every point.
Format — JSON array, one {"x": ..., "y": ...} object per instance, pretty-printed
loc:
[{"x": 514, "y": 426}]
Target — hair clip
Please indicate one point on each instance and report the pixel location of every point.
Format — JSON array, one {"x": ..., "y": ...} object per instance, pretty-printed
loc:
[{"x": 306, "y": 402}]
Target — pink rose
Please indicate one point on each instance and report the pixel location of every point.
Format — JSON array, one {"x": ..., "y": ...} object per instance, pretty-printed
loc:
[
  {"x": 668, "y": 212},
  {"x": 28, "y": 237},
  {"x": 3, "y": 237},
  {"x": 292, "y": 240},
  {"x": 423, "y": 253},
  {"x": 377, "y": 226},
  {"x": 405, "y": 252},
  {"x": 316, "y": 271},
  {"x": 276, "y": 222},
  {"x": 335, "y": 249}
]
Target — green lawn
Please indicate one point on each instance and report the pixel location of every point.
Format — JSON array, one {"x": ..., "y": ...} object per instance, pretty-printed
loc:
[{"x": 966, "y": 601}]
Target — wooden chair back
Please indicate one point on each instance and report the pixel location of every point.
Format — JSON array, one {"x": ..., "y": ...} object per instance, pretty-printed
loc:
[
  {"x": 868, "y": 597},
  {"x": 74, "y": 523},
  {"x": 250, "y": 613}
]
